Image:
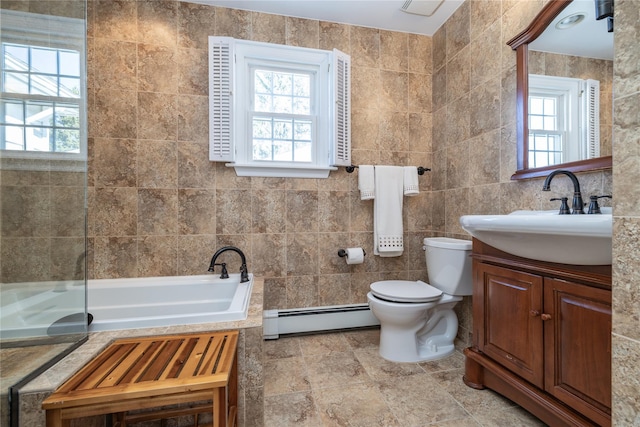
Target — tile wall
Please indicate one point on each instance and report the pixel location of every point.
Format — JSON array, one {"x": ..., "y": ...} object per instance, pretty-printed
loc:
[
  {"x": 626, "y": 221},
  {"x": 158, "y": 207}
]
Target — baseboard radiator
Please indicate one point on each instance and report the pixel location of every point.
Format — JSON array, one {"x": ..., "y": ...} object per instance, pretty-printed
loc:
[{"x": 316, "y": 319}]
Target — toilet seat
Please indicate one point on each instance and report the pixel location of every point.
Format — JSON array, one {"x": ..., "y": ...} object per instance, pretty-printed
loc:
[{"x": 405, "y": 291}]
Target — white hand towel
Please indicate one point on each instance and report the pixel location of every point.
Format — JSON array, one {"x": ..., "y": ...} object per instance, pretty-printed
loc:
[
  {"x": 366, "y": 182},
  {"x": 411, "y": 185},
  {"x": 387, "y": 211}
]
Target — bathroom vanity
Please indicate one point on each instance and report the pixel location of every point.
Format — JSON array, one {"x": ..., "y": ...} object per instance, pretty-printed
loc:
[{"x": 542, "y": 336}]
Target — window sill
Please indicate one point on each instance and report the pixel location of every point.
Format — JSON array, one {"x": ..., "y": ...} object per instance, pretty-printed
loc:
[{"x": 272, "y": 171}]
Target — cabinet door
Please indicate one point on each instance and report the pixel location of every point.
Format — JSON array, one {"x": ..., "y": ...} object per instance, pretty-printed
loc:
[
  {"x": 578, "y": 347},
  {"x": 511, "y": 328}
]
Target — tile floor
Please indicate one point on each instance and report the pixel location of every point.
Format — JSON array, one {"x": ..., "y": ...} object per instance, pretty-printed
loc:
[{"x": 339, "y": 379}]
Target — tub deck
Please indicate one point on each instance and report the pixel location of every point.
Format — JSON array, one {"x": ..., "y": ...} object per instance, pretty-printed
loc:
[{"x": 152, "y": 372}]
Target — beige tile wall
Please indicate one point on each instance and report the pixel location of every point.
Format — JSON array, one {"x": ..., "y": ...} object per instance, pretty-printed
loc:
[
  {"x": 157, "y": 206},
  {"x": 626, "y": 221}
]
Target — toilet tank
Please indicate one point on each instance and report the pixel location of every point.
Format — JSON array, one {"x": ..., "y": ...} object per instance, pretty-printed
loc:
[{"x": 449, "y": 264}]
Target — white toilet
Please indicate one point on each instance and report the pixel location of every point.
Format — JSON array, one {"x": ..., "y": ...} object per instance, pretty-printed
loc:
[{"x": 417, "y": 321}]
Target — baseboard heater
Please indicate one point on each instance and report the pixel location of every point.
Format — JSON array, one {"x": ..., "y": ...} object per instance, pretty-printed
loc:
[{"x": 316, "y": 319}]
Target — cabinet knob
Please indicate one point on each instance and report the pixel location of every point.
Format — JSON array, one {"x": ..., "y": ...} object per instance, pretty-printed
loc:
[
  {"x": 534, "y": 313},
  {"x": 545, "y": 316}
]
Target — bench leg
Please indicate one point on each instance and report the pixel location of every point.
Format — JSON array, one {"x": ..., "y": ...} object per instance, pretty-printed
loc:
[
  {"x": 220, "y": 407},
  {"x": 54, "y": 419}
]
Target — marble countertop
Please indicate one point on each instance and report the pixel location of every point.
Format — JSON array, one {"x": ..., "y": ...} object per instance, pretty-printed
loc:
[{"x": 65, "y": 368}]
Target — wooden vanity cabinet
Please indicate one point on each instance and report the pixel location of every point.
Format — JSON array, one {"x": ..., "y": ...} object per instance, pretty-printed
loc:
[{"x": 542, "y": 336}]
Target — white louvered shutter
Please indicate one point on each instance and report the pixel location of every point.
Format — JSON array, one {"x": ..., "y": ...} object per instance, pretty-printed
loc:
[
  {"x": 221, "y": 57},
  {"x": 593, "y": 118},
  {"x": 342, "y": 113}
]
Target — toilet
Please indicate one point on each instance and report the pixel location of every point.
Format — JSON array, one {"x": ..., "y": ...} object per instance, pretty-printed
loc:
[{"x": 417, "y": 321}]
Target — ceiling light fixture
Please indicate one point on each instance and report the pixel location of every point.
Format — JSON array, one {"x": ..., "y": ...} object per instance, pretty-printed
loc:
[
  {"x": 421, "y": 7},
  {"x": 570, "y": 21}
]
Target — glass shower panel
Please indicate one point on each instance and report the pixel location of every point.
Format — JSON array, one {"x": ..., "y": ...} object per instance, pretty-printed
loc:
[{"x": 43, "y": 173}]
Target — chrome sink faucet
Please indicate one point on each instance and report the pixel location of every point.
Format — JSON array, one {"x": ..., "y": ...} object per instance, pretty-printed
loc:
[
  {"x": 577, "y": 205},
  {"x": 244, "y": 274}
]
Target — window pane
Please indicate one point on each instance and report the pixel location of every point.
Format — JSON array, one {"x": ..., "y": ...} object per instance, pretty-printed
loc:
[
  {"x": 302, "y": 152},
  {"x": 535, "y": 106},
  {"x": 540, "y": 143},
  {"x": 283, "y": 129},
  {"x": 301, "y": 106},
  {"x": 282, "y": 104},
  {"x": 302, "y": 130},
  {"x": 13, "y": 137},
  {"x": 16, "y": 57},
  {"x": 302, "y": 85},
  {"x": 550, "y": 123},
  {"x": 549, "y": 106},
  {"x": 67, "y": 116},
  {"x": 13, "y": 112},
  {"x": 282, "y": 84},
  {"x": 262, "y": 128},
  {"x": 263, "y": 80},
  {"x": 282, "y": 151},
  {"x": 38, "y": 139},
  {"x": 262, "y": 103},
  {"x": 16, "y": 83},
  {"x": 44, "y": 85},
  {"x": 39, "y": 114},
  {"x": 261, "y": 150},
  {"x": 69, "y": 87},
  {"x": 535, "y": 122},
  {"x": 44, "y": 60},
  {"x": 541, "y": 159},
  {"x": 69, "y": 63},
  {"x": 67, "y": 141}
]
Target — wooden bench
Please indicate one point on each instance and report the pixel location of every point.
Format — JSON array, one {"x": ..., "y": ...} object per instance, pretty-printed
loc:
[{"x": 153, "y": 372}]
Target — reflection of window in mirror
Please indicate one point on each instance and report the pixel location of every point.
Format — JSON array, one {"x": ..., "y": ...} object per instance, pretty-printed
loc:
[{"x": 563, "y": 120}]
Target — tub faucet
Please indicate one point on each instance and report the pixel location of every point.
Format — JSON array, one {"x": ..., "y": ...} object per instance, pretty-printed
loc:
[
  {"x": 244, "y": 274},
  {"x": 577, "y": 204}
]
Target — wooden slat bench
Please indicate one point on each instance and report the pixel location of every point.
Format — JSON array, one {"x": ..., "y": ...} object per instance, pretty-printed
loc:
[{"x": 153, "y": 372}]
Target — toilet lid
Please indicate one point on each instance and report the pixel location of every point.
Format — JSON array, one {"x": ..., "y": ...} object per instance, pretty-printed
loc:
[{"x": 405, "y": 291}]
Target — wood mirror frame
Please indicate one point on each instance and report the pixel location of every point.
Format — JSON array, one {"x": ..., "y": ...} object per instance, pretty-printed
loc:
[{"x": 520, "y": 44}]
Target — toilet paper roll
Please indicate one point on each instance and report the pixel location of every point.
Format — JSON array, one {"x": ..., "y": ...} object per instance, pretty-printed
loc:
[{"x": 355, "y": 255}]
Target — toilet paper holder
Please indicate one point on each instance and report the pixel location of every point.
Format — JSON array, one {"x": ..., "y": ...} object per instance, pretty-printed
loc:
[{"x": 342, "y": 253}]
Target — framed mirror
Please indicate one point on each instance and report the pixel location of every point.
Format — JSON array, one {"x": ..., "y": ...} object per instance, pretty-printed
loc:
[{"x": 558, "y": 127}]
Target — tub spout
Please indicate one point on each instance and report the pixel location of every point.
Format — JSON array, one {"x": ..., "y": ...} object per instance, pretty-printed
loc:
[{"x": 244, "y": 272}]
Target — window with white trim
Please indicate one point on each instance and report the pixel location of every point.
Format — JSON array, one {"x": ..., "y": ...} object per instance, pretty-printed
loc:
[
  {"x": 563, "y": 120},
  {"x": 42, "y": 84},
  {"x": 278, "y": 111}
]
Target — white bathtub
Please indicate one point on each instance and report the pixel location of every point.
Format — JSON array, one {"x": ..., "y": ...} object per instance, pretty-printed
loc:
[
  {"x": 30, "y": 308},
  {"x": 166, "y": 301}
]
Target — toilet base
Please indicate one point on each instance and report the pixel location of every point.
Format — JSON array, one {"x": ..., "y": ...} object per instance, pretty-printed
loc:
[{"x": 393, "y": 347}]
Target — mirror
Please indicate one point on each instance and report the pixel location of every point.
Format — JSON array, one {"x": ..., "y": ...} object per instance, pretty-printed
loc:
[{"x": 541, "y": 53}]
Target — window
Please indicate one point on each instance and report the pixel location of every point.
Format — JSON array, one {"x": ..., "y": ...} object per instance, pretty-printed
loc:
[
  {"x": 42, "y": 84},
  {"x": 278, "y": 110},
  {"x": 563, "y": 120}
]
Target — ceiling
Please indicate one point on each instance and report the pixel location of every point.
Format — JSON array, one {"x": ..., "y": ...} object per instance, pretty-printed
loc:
[
  {"x": 588, "y": 38},
  {"x": 382, "y": 14}
]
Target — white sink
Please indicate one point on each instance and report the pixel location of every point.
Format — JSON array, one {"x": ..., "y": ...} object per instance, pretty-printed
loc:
[{"x": 546, "y": 236}]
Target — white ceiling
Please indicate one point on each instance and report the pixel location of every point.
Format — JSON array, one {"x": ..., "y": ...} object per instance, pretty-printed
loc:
[
  {"x": 588, "y": 38},
  {"x": 382, "y": 14}
]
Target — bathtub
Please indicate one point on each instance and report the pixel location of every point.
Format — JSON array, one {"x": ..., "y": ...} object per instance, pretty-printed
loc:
[
  {"x": 28, "y": 309},
  {"x": 166, "y": 301}
]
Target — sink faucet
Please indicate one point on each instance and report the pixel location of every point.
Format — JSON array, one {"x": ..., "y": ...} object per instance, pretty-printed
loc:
[
  {"x": 244, "y": 275},
  {"x": 577, "y": 204}
]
